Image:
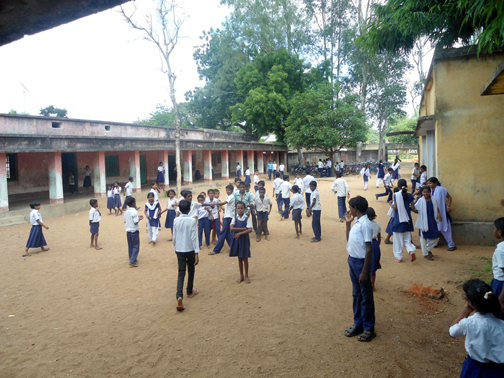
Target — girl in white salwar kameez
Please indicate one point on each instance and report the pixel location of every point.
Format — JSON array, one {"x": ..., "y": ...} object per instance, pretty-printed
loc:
[{"x": 444, "y": 201}]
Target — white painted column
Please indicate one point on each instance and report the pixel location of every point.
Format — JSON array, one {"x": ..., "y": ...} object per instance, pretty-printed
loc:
[
  {"x": 99, "y": 175},
  {"x": 207, "y": 166},
  {"x": 4, "y": 192},
  {"x": 55, "y": 178},
  {"x": 224, "y": 165},
  {"x": 251, "y": 162},
  {"x": 187, "y": 158},
  {"x": 260, "y": 162},
  {"x": 134, "y": 165},
  {"x": 163, "y": 156}
]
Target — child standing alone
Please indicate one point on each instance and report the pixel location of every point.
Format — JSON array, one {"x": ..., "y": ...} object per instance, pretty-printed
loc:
[
  {"x": 171, "y": 204},
  {"x": 36, "y": 238},
  {"x": 94, "y": 222},
  {"x": 152, "y": 213},
  {"x": 131, "y": 220},
  {"x": 241, "y": 226},
  {"x": 297, "y": 206}
]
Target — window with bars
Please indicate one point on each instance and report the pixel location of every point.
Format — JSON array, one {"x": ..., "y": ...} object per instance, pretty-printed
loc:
[
  {"x": 112, "y": 166},
  {"x": 12, "y": 169}
]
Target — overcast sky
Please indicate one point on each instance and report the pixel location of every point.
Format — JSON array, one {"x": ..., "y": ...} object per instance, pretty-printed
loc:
[{"x": 98, "y": 68}]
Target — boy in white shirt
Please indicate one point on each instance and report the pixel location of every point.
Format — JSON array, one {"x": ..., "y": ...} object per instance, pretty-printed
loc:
[
  {"x": 276, "y": 190},
  {"x": 261, "y": 206},
  {"x": 131, "y": 220},
  {"x": 415, "y": 177},
  {"x": 306, "y": 185},
  {"x": 285, "y": 189},
  {"x": 388, "y": 182},
  {"x": 94, "y": 222},
  {"x": 341, "y": 189},
  {"x": 256, "y": 181},
  {"x": 282, "y": 169},
  {"x": 423, "y": 176},
  {"x": 315, "y": 211},
  {"x": 229, "y": 213},
  {"x": 299, "y": 182},
  {"x": 297, "y": 206},
  {"x": 128, "y": 191}
]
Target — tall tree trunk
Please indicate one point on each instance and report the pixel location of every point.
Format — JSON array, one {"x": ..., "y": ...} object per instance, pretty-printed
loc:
[
  {"x": 171, "y": 82},
  {"x": 300, "y": 155},
  {"x": 381, "y": 143}
]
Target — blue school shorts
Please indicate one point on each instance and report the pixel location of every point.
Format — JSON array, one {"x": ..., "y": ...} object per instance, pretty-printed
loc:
[
  {"x": 297, "y": 214},
  {"x": 94, "y": 228},
  {"x": 262, "y": 216}
]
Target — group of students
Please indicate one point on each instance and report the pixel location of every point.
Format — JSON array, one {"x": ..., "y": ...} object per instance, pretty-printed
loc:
[{"x": 272, "y": 169}]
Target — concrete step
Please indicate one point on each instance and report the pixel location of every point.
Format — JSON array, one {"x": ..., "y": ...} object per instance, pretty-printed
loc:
[{"x": 12, "y": 220}]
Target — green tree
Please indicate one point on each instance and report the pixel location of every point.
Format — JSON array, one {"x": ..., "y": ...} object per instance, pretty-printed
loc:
[
  {"x": 398, "y": 24},
  {"x": 165, "y": 116},
  {"x": 320, "y": 122},
  {"x": 403, "y": 124},
  {"x": 51, "y": 111},
  {"x": 373, "y": 137}
]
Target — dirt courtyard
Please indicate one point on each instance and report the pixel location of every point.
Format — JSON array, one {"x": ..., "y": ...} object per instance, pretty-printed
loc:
[{"x": 76, "y": 311}]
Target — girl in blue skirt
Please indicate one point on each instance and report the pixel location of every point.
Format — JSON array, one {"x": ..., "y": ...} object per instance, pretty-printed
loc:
[
  {"x": 36, "y": 238},
  {"x": 247, "y": 176},
  {"x": 110, "y": 199},
  {"x": 171, "y": 206},
  {"x": 117, "y": 198},
  {"x": 375, "y": 262},
  {"x": 483, "y": 331},
  {"x": 160, "y": 175},
  {"x": 241, "y": 226}
]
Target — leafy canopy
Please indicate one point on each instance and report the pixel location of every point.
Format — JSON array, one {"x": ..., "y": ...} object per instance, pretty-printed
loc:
[
  {"x": 51, "y": 111},
  {"x": 403, "y": 124}
]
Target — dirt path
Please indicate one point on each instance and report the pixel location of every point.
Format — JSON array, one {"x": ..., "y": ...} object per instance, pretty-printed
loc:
[{"x": 85, "y": 313}]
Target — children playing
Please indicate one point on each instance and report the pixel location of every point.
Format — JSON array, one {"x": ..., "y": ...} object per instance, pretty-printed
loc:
[
  {"x": 285, "y": 189},
  {"x": 365, "y": 173},
  {"x": 315, "y": 211},
  {"x": 427, "y": 222},
  {"x": 276, "y": 190},
  {"x": 36, "y": 238},
  {"x": 152, "y": 213},
  {"x": 360, "y": 251},
  {"x": 483, "y": 331},
  {"x": 216, "y": 224},
  {"x": 215, "y": 218},
  {"x": 204, "y": 222},
  {"x": 94, "y": 223},
  {"x": 241, "y": 226},
  {"x": 388, "y": 182},
  {"x": 131, "y": 220},
  {"x": 498, "y": 263},
  {"x": 341, "y": 189},
  {"x": 444, "y": 201},
  {"x": 297, "y": 206},
  {"x": 256, "y": 181},
  {"x": 375, "y": 262},
  {"x": 261, "y": 206},
  {"x": 186, "y": 246},
  {"x": 117, "y": 198},
  {"x": 110, "y": 199},
  {"x": 229, "y": 212},
  {"x": 171, "y": 205},
  {"x": 415, "y": 177},
  {"x": 402, "y": 224}
]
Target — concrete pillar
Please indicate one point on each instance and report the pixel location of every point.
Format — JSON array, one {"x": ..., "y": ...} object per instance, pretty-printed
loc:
[
  {"x": 224, "y": 157},
  {"x": 250, "y": 162},
  {"x": 239, "y": 159},
  {"x": 4, "y": 192},
  {"x": 163, "y": 156},
  {"x": 187, "y": 158},
  {"x": 207, "y": 166},
  {"x": 134, "y": 168},
  {"x": 260, "y": 162},
  {"x": 55, "y": 178},
  {"x": 99, "y": 175}
]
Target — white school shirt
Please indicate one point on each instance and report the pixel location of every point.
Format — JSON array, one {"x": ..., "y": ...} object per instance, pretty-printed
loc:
[
  {"x": 315, "y": 196},
  {"x": 229, "y": 211},
  {"x": 262, "y": 205},
  {"x": 247, "y": 172},
  {"x": 256, "y": 179},
  {"x": 160, "y": 168},
  {"x": 274, "y": 166},
  {"x": 185, "y": 234},
  {"x": 117, "y": 190},
  {"x": 297, "y": 202},
  {"x": 376, "y": 229},
  {"x": 276, "y": 184},
  {"x": 110, "y": 193},
  {"x": 388, "y": 180},
  {"x": 329, "y": 164},
  {"x": 414, "y": 173},
  {"x": 94, "y": 215},
  {"x": 155, "y": 192},
  {"x": 282, "y": 167},
  {"x": 34, "y": 216},
  {"x": 242, "y": 218},
  {"x": 285, "y": 189},
  {"x": 342, "y": 164},
  {"x": 340, "y": 187},
  {"x": 128, "y": 188},
  {"x": 131, "y": 220},
  {"x": 320, "y": 164},
  {"x": 194, "y": 209},
  {"x": 484, "y": 334},
  {"x": 423, "y": 178},
  {"x": 360, "y": 234},
  {"x": 299, "y": 182},
  {"x": 171, "y": 202},
  {"x": 202, "y": 212},
  {"x": 238, "y": 168},
  {"x": 306, "y": 183},
  {"x": 236, "y": 189},
  {"x": 498, "y": 262},
  {"x": 215, "y": 209}
]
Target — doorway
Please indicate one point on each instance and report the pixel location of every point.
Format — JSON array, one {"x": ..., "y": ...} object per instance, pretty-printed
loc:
[
  {"x": 69, "y": 164},
  {"x": 143, "y": 170}
]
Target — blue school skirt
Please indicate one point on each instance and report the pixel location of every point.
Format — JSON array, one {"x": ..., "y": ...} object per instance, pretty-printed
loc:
[
  {"x": 388, "y": 230},
  {"x": 169, "y": 218},
  {"x": 247, "y": 179},
  {"x": 375, "y": 262},
  {"x": 297, "y": 214},
  {"x": 476, "y": 369},
  {"x": 366, "y": 178},
  {"x": 240, "y": 247},
  {"x": 262, "y": 216},
  {"x": 87, "y": 182},
  {"x": 36, "y": 238},
  {"x": 160, "y": 177},
  {"x": 110, "y": 203},
  {"x": 117, "y": 200},
  {"x": 238, "y": 173},
  {"x": 497, "y": 287},
  {"x": 94, "y": 227}
]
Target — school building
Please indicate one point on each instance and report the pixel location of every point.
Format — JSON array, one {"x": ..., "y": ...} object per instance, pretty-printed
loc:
[
  {"x": 461, "y": 137},
  {"x": 41, "y": 152}
]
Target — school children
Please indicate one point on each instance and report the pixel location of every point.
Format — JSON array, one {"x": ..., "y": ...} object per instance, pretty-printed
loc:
[
  {"x": 36, "y": 238},
  {"x": 381, "y": 173},
  {"x": 498, "y": 262},
  {"x": 215, "y": 217},
  {"x": 315, "y": 211},
  {"x": 270, "y": 169},
  {"x": 402, "y": 224},
  {"x": 285, "y": 189},
  {"x": 261, "y": 206},
  {"x": 94, "y": 222},
  {"x": 275, "y": 170},
  {"x": 110, "y": 199},
  {"x": 388, "y": 182},
  {"x": 250, "y": 198},
  {"x": 187, "y": 195},
  {"x": 155, "y": 191},
  {"x": 281, "y": 168},
  {"x": 117, "y": 198},
  {"x": 160, "y": 176},
  {"x": 396, "y": 174},
  {"x": 299, "y": 182},
  {"x": 171, "y": 205},
  {"x": 428, "y": 218},
  {"x": 342, "y": 191},
  {"x": 306, "y": 185},
  {"x": 365, "y": 175},
  {"x": 247, "y": 176},
  {"x": 276, "y": 191},
  {"x": 237, "y": 185},
  {"x": 423, "y": 175},
  {"x": 216, "y": 224},
  {"x": 375, "y": 262},
  {"x": 128, "y": 190},
  {"x": 256, "y": 181},
  {"x": 204, "y": 222},
  {"x": 241, "y": 227},
  {"x": 238, "y": 170},
  {"x": 415, "y": 177},
  {"x": 131, "y": 220},
  {"x": 152, "y": 213},
  {"x": 360, "y": 251},
  {"x": 444, "y": 201},
  {"x": 186, "y": 246},
  {"x": 320, "y": 167},
  {"x": 297, "y": 206},
  {"x": 229, "y": 212},
  {"x": 483, "y": 332}
]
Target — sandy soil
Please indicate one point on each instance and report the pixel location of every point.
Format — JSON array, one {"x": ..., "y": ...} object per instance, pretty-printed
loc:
[{"x": 86, "y": 313}]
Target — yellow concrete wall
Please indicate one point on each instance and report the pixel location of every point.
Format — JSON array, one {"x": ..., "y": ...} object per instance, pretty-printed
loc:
[{"x": 470, "y": 138}]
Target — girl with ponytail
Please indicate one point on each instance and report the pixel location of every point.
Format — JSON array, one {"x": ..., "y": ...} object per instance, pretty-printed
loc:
[{"x": 402, "y": 224}]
